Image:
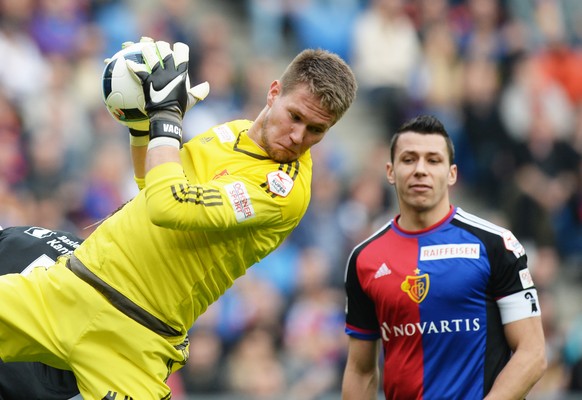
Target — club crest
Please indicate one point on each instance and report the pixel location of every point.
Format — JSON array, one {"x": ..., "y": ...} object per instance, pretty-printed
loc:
[{"x": 416, "y": 287}]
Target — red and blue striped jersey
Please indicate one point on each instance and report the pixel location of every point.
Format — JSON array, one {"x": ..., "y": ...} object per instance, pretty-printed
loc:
[{"x": 438, "y": 299}]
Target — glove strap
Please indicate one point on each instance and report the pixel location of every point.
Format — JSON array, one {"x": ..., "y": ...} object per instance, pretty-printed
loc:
[
  {"x": 164, "y": 132},
  {"x": 165, "y": 128}
]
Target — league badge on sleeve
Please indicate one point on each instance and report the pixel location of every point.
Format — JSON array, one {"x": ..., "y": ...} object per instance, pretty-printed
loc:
[
  {"x": 525, "y": 278},
  {"x": 280, "y": 183},
  {"x": 512, "y": 244}
]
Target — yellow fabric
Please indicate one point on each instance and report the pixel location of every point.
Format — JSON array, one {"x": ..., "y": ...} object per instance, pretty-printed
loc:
[
  {"x": 177, "y": 265},
  {"x": 140, "y": 182},
  {"x": 66, "y": 322}
]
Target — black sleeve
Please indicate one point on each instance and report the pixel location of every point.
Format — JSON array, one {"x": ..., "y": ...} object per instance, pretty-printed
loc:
[
  {"x": 360, "y": 309},
  {"x": 508, "y": 266}
]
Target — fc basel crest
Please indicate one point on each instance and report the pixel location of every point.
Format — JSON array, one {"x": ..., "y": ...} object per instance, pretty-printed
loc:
[{"x": 416, "y": 287}]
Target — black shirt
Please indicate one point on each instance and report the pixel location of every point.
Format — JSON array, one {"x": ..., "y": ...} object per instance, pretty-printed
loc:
[{"x": 21, "y": 248}]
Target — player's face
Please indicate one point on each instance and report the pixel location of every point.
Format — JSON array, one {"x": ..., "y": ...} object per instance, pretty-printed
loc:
[
  {"x": 421, "y": 173},
  {"x": 293, "y": 122}
]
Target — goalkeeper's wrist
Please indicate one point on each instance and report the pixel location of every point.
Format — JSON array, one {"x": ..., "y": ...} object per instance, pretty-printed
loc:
[
  {"x": 166, "y": 115},
  {"x": 165, "y": 129},
  {"x": 160, "y": 122},
  {"x": 164, "y": 141}
]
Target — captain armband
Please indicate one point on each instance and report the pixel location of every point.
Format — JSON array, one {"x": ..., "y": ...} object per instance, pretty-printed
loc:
[{"x": 520, "y": 305}]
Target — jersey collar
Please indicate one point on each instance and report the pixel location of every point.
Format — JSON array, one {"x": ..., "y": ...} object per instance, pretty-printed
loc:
[
  {"x": 446, "y": 219},
  {"x": 244, "y": 144}
]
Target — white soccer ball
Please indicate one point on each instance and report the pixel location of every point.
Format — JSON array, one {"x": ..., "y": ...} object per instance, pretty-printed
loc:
[{"x": 122, "y": 94}]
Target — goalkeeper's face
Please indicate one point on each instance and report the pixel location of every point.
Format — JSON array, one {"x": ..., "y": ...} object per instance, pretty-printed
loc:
[{"x": 291, "y": 123}]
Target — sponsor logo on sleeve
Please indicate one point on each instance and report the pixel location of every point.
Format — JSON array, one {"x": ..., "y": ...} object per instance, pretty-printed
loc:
[
  {"x": 240, "y": 201},
  {"x": 39, "y": 233},
  {"x": 224, "y": 133},
  {"x": 525, "y": 278},
  {"x": 512, "y": 244},
  {"x": 280, "y": 183}
]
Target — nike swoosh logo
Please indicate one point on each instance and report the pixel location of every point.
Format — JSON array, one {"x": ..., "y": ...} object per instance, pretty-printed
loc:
[{"x": 159, "y": 96}]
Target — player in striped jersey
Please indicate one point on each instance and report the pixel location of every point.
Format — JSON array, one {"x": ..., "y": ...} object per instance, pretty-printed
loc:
[
  {"x": 117, "y": 311},
  {"x": 446, "y": 294}
]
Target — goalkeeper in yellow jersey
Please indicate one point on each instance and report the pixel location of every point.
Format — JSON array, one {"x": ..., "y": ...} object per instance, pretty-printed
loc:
[{"x": 118, "y": 310}]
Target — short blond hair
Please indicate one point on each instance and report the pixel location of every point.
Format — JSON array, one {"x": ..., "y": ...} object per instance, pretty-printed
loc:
[{"x": 327, "y": 76}]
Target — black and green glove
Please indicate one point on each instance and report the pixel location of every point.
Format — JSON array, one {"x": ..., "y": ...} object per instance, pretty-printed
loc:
[{"x": 164, "y": 78}]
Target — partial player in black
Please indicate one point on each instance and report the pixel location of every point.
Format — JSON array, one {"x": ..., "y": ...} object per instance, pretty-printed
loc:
[{"x": 21, "y": 249}]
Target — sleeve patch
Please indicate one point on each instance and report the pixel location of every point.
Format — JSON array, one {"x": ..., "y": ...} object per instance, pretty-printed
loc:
[
  {"x": 520, "y": 305},
  {"x": 240, "y": 200},
  {"x": 280, "y": 183},
  {"x": 224, "y": 133},
  {"x": 525, "y": 278},
  {"x": 512, "y": 244}
]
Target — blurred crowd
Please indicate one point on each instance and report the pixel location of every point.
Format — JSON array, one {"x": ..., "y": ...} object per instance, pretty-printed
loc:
[{"x": 505, "y": 76}]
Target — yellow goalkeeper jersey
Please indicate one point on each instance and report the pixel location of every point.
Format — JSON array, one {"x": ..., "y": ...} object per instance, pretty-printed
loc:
[{"x": 196, "y": 227}]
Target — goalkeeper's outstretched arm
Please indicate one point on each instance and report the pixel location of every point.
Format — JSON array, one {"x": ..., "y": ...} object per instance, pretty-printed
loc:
[{"x": 165, "y": 82}]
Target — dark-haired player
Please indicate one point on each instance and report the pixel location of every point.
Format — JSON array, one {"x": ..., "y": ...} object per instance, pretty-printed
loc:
[{"x": 448, "y": 295}]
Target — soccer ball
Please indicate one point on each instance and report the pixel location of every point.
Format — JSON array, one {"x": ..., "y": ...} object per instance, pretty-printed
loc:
[{"x": 122, "y": 94}]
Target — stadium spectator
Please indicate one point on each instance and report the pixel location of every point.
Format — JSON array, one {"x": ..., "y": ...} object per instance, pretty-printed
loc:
[
  {"x": 479, "y": 32},
  {"x": 203, "y": 373},
  {"x": 490, "y": 158},
  {"x": 385, "y": 49},
  {"x": 23, "y": 57},
  {"x": 546, "y": 181},
  {"x": 313, "y": 341},
  {"x": 253, "y": 366},
  {"x": 305, "y": 19},
  {"x": 267, "y": 20}
]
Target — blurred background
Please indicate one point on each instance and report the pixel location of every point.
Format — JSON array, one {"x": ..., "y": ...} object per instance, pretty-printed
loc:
[{"x": 504, "y": 76}]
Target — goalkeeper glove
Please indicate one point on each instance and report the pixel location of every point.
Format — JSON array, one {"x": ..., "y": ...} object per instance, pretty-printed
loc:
[
  {"x": 164, "y": 78},
  {"x": 195, "y": 94}
]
